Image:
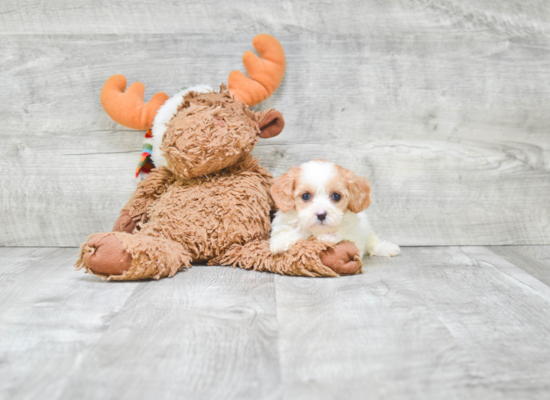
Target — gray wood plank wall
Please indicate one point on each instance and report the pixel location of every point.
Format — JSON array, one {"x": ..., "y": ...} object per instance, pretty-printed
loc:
[{"x": 443, "y": 105}]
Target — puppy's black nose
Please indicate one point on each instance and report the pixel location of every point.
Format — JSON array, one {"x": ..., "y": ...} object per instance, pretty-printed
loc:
[{"x": 322, "y": 216}]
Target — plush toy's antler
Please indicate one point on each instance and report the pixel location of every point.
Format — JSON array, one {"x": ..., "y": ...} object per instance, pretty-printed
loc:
[
  {"x": 128, "y": 107},
  {"x": 265, "y": 73}
]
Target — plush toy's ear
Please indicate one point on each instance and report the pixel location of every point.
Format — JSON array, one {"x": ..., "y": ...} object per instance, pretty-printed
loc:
[
  {"x": 359, "y": 189},
  {"x": 283, "y": 190},
  {"x": 271, "y": 124},
  {"x": 264, "y": 74},
  {"x": 128, "y": 107}
]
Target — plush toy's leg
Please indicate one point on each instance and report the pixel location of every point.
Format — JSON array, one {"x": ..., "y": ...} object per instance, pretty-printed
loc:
[
  {"x": 124, "y": 223},
  {"x": 123, "y": 256},
  {"x": 307, "y": 258}
]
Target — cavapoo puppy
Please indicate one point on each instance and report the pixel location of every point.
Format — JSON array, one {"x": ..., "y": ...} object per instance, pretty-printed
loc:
[{"x": 323, "y": 200}]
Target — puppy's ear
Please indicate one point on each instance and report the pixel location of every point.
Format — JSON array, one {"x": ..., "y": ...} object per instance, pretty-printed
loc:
[
  {"x": 283, "y": 190},
  {"x": 359, "y": 190}
]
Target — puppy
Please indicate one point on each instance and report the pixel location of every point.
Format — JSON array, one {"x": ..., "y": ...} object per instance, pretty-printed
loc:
[{"x": 323, "y": 200}]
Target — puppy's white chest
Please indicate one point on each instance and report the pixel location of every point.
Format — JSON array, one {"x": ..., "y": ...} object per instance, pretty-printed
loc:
[{"x": 331, "y": 237}]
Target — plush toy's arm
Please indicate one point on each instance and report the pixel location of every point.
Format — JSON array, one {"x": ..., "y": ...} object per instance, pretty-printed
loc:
[
  {"x": 267, "y": 182},
  {"x": 148, "y": 190},
  {"x": 251, "y": 166},
  {"x": 306, "y": 258}
]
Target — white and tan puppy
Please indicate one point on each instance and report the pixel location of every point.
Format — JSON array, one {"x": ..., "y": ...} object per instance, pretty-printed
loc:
[{"x": 323, "y": 200}]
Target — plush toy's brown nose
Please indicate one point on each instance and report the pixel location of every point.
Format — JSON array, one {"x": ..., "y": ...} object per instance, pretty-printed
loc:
[{"x": 322, "y": 216}]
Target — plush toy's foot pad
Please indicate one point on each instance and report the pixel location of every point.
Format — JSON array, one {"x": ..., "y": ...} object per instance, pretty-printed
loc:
[
  {"x": 124, "y": 257},
  {"x": 343, "y": 259},
  {"x": 104, "y": 255},
  {"x": 124, "y": 223}
]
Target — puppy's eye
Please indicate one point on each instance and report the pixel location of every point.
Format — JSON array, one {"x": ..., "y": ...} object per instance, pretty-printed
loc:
[
  {"x": 336, "y": 197},
  {"x": 306, "y": 196}
]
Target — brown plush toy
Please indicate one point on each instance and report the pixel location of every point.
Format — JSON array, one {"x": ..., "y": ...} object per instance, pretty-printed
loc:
[{"x": 207, "y": 200}]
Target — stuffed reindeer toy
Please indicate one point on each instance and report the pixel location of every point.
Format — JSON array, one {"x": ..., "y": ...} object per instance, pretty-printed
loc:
[{"x": 207, "y": 200}]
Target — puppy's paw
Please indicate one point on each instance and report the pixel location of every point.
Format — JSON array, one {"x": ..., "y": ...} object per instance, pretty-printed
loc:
[
  {"x": 384, "y": 249},
  {"x": 280, "y": 244}
]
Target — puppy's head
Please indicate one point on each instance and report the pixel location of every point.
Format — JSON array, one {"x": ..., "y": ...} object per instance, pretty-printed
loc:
[{"x": 321, "y": 192}]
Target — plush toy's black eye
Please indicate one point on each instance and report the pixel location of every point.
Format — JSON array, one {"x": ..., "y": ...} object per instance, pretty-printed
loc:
[
  {"x": 336, "y": 197},
  {"x": 306, "y": 196}
]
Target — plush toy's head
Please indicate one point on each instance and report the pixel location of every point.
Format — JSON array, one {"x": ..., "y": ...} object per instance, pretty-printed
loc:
[
  {"x": 199, "y": 131},
  {"x": 211, "y": 131}
]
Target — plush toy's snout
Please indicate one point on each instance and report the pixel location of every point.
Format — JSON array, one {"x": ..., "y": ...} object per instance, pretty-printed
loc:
[{"x": 211, "y": 131}]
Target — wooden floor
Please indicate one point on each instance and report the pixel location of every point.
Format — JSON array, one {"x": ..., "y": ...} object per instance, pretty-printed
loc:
[{"x": 433, "y": 323}]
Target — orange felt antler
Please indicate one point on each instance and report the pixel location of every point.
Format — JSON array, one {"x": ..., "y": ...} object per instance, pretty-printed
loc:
[
  {"x": 265, "y": 73},
  {"x": 128, "y": 107}
]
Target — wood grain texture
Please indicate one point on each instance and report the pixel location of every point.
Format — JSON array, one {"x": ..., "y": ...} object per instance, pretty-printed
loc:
[
  {"x": 535, "y": 260},
  {"x": 441, "y": 104},
  {"x": 435, "y": 322},
  {"x": 207, "y": 333},
  {"x": 51, "y": 316},
  {"x": 458, "y": 150},
  {"x": 279, "y": 16}
]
